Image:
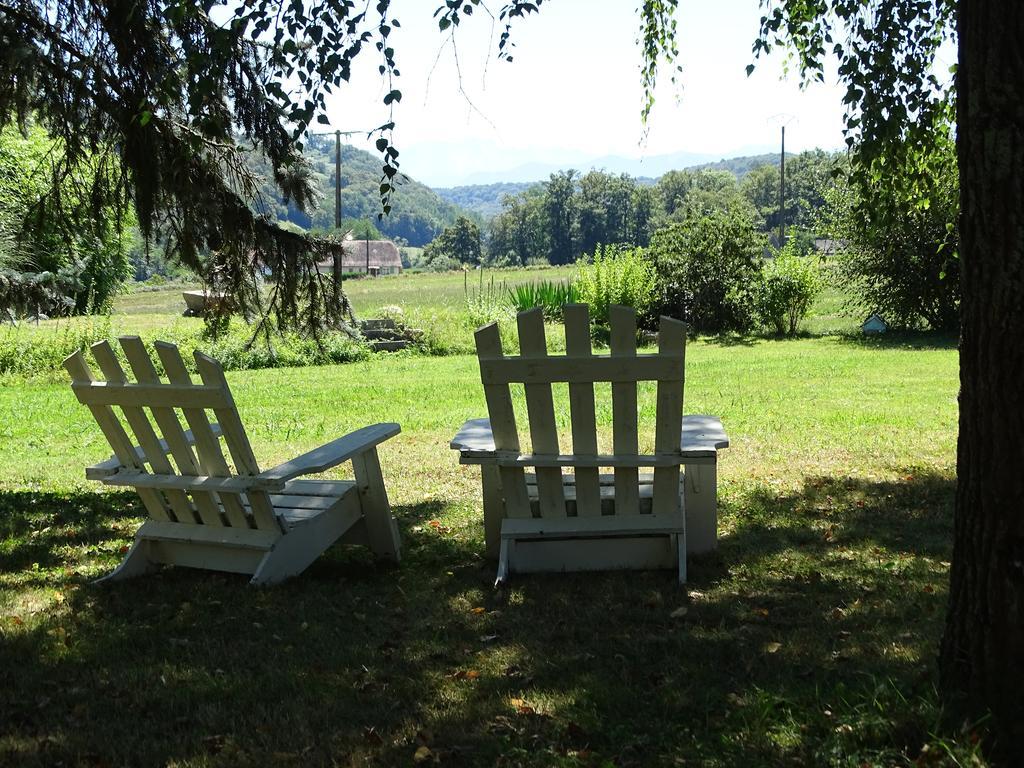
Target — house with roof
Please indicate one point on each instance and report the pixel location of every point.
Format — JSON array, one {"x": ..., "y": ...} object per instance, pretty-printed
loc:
[{"x": 368, "y": 257}]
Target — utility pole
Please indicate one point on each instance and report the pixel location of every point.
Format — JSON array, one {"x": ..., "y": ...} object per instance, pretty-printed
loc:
[
  {"x": 337, "y": 179},
  {"x": 338, "y": 253},
  {"x": 782, "y": 119},
  {"x": 782, "y": 191}
]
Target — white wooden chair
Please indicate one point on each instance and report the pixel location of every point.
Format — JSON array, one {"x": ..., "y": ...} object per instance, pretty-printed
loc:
[
  {"x": 202, "y": 513},
  {"x": 549, "y": 520}
]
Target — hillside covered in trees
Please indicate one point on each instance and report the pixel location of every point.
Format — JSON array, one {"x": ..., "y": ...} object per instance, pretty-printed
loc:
[{"x": 418, "y": 213}]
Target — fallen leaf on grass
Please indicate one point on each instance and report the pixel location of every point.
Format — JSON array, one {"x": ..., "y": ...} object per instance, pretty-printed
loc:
[
  {"x": 465, "y": 674},
  {"x": 772, "y": 647},
  {"x": 522, "y": 707},
  {"x": 478, "y": 610},
  {"x": 422, "y": 754}
]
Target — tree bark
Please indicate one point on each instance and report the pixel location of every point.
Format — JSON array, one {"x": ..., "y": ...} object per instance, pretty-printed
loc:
[{"x": 982, "y": 655}]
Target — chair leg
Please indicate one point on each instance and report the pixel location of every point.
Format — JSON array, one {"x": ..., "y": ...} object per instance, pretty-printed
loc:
[
  {"x": 381, "y": 528},
  {"x": 299, "y": 547},
  {"x": 503, "y": 562},
  {"x": 136, "y": 563},
  {"x": 681, "y": 555}
]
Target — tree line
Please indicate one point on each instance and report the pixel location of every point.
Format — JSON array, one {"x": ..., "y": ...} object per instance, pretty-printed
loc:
[{"x": 570, "y": 214}]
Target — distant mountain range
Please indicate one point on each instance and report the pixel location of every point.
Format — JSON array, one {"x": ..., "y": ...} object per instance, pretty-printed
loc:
[{"x": 420, "y": 213}]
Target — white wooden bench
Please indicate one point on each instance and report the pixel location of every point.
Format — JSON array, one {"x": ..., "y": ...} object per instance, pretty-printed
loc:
[
  {"x": 551, "y": 520},
  {"x": 204, "y": 513}
]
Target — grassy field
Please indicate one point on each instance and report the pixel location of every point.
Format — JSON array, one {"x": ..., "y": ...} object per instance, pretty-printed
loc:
[{"x": 808, "y": 638}]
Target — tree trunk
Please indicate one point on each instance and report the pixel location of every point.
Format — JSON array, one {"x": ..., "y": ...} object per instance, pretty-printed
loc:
[{"x": 982, "y": 658}]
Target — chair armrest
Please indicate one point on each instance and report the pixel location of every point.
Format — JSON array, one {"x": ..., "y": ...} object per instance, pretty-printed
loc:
[
  {"x": 113, "y": 464},
  {"x": 475, "y": 439},
  {"x": 701, "y": 437},
  {"x": 702, "y": 434},
  {"x": 332, "y": 454}
]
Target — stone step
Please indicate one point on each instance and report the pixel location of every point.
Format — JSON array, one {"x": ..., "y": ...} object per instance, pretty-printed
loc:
[{"x": 385, "y": 334}]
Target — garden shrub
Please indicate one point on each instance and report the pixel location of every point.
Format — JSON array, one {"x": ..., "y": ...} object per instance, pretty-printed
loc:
[
  {"x": 706, "y": 264},
  {"x": 616, "y": 275},
  {"x": 28, "y": 350},
  {"x": 788, "y": 286},
  {"x": 898, "y": 243}
]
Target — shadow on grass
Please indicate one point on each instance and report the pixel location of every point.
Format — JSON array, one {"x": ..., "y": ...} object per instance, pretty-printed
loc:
[
  {"x": 903, "y": 340},
  {"x": 808, "y": 636},
  {"x": 907, "y": 340}
]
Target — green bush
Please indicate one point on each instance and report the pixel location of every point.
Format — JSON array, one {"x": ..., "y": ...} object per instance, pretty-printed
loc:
[
  {"x": 550, "y": 295},
  {"x": 788, "y": 286},
  {"x": 898, "y": 242},
  {"x": 706, "y": 264},
  {"x": 28, "y": 350},
  {"x": 616, "y": 275}
]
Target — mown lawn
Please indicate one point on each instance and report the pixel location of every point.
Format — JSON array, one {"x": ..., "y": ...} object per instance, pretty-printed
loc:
[{"x": 809, "y": 638}]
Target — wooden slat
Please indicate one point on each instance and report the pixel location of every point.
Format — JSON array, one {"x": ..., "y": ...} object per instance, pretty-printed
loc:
[
  {"x": 610, "y": 525},
  {"x": 540, "y": 408},
  {"x": 119, "y": 441},
  {"x": 209, "y": 458},
  {"x": 624, "y": 413},
  {"x": 581, "y": 409},
  {"x": 112, "y": 465},
  {"x": 524, "y": 370},
  {"x": 167, "y": 395},
  {"x": 238, "y": 442},
  {"x": 244, "y": 538},
  {"x": 192, "y": 483},
  {"x": 669, "y": 413},
  {"x": 145, "y": 435},
  {"x": 503, "y": 423},
  {"x": 672, "y": 459}
]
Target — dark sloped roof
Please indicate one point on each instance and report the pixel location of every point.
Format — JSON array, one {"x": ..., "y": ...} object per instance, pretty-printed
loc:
[{"x": 383, "y": 253}]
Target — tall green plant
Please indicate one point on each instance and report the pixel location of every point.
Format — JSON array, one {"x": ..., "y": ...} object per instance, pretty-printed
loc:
[
  {"x": 616, "y": 276},
  {"x": 550, "y": 295},
  {"x": 788, "y": 285}
]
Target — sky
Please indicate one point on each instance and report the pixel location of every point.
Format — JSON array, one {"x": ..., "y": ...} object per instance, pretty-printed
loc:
[{"x": 572, "y": 95}]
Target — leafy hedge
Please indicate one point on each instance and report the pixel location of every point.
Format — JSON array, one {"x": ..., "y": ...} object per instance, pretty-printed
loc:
[{"x": 29, "y": 350}]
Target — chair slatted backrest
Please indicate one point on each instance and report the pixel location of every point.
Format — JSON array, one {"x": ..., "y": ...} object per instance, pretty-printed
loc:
[
  {"x": 580, "y": 368},
  {"x": 150, "y": 408}
]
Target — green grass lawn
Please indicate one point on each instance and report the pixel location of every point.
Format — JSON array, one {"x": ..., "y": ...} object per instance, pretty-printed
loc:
[{"x": 809, "y": 637}]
